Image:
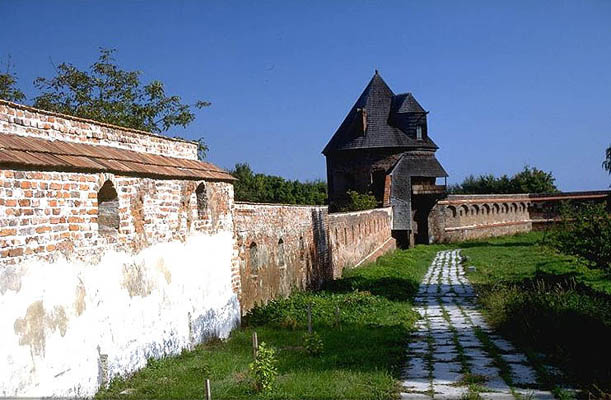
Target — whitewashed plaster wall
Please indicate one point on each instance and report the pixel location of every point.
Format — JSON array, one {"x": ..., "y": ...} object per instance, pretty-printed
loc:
[{"x": 68, "y": 327}]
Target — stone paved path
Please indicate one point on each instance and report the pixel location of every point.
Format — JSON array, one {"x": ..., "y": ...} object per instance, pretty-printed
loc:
[{"x": 454, "y": 345}]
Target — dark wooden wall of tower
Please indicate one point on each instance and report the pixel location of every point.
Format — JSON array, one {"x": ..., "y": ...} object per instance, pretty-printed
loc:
[{"x": 361, "y": 170}]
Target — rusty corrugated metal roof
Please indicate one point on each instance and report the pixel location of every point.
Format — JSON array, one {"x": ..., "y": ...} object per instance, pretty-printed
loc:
[{"x": 36, "y": 152}]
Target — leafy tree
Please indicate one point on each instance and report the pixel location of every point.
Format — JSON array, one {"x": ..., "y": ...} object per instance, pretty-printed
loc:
[
  {"x": 533, "y": 180},
  {"x": 261, "y": 188},
  {"x": 607, "y": 162},
  {"x": 8, "y": 91},
  {"x": 107, "y": 93},
  {"x": 529, "y": 180}
]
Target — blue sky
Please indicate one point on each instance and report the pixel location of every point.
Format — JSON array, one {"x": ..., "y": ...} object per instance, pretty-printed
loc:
[{"x": 506, "y": 83}]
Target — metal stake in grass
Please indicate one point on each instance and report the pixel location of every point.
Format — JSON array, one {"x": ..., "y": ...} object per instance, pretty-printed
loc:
[
  {"x": 310, "y": 318},
  {"x": 208, "y": 391},
  {"x": 255, "y": 345}
]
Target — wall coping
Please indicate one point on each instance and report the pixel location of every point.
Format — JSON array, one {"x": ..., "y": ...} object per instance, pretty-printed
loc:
[
  {"x": 12, "y": 105},
  {"x": 251, "y": 203},
  {"x": 484, "y": 198},
  {"x": 341, "y": 214}
]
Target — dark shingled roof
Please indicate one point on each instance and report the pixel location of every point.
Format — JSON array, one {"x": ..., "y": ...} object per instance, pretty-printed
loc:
[
  {"x": 419, "y": 164},
  {"x": 403, "y": 103},
  {"x": 390, "y": 118},
  {"x": 33, "y": 152}
]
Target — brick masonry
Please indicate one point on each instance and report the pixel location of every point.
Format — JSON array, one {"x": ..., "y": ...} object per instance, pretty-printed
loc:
[
  {"x": 283, "y": 247},
  {"x": 464, "y": 217},
  {"x": 50, "y": 214},
  {"x": 22, "y": 120},
  {"x": 356, "y": 236}
]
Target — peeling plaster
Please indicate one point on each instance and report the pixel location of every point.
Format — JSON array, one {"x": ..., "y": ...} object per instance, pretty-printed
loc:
[
  {"x": 10, "y": 279},
  {"x": 79, "y": 301},
  {"x": 36, "y": 321}
]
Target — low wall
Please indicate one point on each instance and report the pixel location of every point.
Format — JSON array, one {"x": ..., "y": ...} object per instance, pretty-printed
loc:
[
  {"x": 281, "y": 248},
  {"x": 286, "y": 247},
  {"x": 356, "y": 235},
  {"x": 464, "y": 217}
]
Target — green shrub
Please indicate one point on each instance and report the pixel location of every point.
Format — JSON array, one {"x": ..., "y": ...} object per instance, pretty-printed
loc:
[
  {"x": 313, "y": 343},
  {"x": 584, "y": 231},
  {"x": 264, "y": 368},
  {"x": 355, "y": 201},
  {"x": 559, "y": 317}
]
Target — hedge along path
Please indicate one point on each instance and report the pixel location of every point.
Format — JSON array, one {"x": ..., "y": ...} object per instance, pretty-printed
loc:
[{"x": 454, "y": 353}]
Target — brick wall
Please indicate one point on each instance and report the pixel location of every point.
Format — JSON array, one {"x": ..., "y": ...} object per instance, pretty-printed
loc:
[
  {"x": 284, "y": 247},
  {"x": 22, "y": 120},
  {"x": 463, "y": 217},
  {"x": 45, "y": 214},
  {"x": 355, "y": 236},
  {"x": 281, "y": 248}
]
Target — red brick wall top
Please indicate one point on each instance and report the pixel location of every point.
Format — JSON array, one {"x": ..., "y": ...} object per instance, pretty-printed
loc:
[{"x": 23, "y": 120}]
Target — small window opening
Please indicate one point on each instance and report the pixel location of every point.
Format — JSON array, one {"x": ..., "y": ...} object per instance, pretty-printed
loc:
[
  {"x": 253, "y": 258},
  {"x": 419, "y": 132},
  {"x": 202, "y": 200},
  {"x": 108, "y": 210},
  {"x": 280, "y": 252},
  {"x": 301, "y": 248}
]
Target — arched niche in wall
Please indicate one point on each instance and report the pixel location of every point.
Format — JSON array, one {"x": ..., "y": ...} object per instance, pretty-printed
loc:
[
  {"x": 281, "y": 260},
  {"x": 108, "y": 210},
  {"x": 302, "y": 248},
  {"x": 452, "y": 211},
  {"x": 485, "y": 209},
  {"x": 253, "y": 258},
  {"x": 202, "y": 200}
]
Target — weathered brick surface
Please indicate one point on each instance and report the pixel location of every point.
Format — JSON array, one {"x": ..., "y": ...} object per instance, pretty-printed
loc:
[
  {"x": 463, "y": 217},
  {"x": 48, "y": 214},
  {"x": 17, "y": 119},
  {"x": 356, "y": 235},
  {"x": 280, "y": 248},
  {"x": 265, "y": 275}
]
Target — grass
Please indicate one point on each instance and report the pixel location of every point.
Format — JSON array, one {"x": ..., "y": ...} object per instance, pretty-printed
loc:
[
  {"x": 555, "y": 308},
  {"x": 363, "y": 348}
]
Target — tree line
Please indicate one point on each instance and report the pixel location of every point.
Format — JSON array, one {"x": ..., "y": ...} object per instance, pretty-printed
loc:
[
  {"x": 261, "y": 188},
  {"x": 529, "y": 180}
]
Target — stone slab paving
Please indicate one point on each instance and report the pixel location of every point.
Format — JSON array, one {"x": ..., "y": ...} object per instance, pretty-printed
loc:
[{"x": 453, "y": 343}]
